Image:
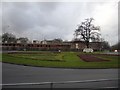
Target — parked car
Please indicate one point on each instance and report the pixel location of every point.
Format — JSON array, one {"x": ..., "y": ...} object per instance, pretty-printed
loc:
[{"x": 87, "y": 50}]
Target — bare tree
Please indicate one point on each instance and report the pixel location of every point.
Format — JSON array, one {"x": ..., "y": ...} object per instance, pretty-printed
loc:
[
  {"x": 87, "y": 31},
  {"x": 23, "y": 39},
  {"x": 58, "y": 40},
  {"x": 8, "y": 38},
  {"x": 116, "y": 46}
]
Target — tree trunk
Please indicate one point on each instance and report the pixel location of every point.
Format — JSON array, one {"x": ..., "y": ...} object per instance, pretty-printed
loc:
[{"x": 87, "y": 44}]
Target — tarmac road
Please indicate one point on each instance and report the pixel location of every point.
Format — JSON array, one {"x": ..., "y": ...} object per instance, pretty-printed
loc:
[{"x": 12, "y": 74}]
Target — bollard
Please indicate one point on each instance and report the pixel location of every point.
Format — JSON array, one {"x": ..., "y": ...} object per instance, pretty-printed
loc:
[{"x": 51, "y": 86}]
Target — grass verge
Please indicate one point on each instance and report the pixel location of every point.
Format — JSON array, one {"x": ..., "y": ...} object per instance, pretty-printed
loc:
[{"x": 59, "y": 60}]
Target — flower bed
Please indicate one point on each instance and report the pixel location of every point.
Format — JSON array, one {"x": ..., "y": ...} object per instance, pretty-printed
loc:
[{"x": 91, "y": 58}]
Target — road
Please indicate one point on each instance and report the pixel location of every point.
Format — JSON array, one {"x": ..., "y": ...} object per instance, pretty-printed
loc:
[
  {"x": 112, "y": 53},
  {"x": 12, "y": 74}
]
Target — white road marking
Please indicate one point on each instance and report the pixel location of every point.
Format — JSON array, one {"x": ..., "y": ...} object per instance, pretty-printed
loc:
[{"x": 62, "y": 82}]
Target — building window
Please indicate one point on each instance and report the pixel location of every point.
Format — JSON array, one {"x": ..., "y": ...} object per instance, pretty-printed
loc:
[{"x": 37, "y": 45}]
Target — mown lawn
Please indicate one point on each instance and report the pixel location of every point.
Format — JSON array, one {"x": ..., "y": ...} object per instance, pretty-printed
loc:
[{"x": 54, "y": 59}]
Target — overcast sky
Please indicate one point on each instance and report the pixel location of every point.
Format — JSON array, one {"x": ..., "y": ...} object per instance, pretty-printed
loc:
[{"x": 49, "y": 20}]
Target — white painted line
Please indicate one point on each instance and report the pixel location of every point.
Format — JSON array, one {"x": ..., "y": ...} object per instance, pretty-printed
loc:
[
  {"x": 86, "y": 81},
  {"x": 109, "y": 87},
  {"x": 19, "y": 84},
  {"x": 62, "y": 82}
]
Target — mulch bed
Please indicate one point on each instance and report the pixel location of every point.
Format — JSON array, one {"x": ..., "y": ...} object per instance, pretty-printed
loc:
[{"x": 91, "y": 58}]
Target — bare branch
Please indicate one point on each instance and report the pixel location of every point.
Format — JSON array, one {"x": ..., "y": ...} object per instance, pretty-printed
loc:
[{"x": 88, "y": 31}]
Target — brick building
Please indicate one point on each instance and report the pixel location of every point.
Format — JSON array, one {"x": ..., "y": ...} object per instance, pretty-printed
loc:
[
  {"x": 49, "y": 45},
  {"x": 80, "y": 45}
]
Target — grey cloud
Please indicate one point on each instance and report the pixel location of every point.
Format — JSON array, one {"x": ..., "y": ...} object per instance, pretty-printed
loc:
[
  {"x": 27, "y": 15},
  {"x": 38, "y": 20}
]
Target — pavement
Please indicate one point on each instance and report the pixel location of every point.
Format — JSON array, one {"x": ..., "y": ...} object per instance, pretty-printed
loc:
[{"x": 20, "y": 75}]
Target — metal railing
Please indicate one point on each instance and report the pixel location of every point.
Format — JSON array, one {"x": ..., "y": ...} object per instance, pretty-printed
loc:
[{"x": 62, "y": 82}]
